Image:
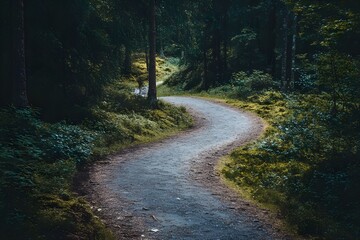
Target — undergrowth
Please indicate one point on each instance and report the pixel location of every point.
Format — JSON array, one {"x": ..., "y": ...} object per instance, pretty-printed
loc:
[
  {"x": 38, "y": 160},
  {"x": 306, "y": 165}
]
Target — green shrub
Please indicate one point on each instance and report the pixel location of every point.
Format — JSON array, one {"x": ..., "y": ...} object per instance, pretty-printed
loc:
[
  {"x": 256, "y": 81},
  {"x": 307, "y": 166},
  {"x": 36, "y": 159}
]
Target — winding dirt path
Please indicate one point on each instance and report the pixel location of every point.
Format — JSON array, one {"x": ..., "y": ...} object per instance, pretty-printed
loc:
[{"x": 169, "y": 189}]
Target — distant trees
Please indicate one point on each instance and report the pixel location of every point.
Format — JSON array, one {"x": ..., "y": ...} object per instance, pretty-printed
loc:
[
  {"x": 231, "y": 36},
  {"x": 283, "y": 38},
  {"x": 72, "y": 47},
  {"x": 75, "y": 47},
  {"x": 19, "y": 90}
]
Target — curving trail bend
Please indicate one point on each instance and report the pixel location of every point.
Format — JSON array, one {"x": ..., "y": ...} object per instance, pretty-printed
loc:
[{"x": 165, "y": 190}]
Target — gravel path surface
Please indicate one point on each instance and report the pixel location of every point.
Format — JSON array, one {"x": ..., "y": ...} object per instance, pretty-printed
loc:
[{"x": 163, "y": 190}]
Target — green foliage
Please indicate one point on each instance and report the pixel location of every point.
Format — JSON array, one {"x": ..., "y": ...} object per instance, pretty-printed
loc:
[
  {"x": 36, "y": 160},
  {"x": 245, "y": 37},
  {"x": 124, "y": 118},
  {"x": 307, "y": 166},
  {"x": 338, "y": 75},
  {"x": 248, "y": 83}
]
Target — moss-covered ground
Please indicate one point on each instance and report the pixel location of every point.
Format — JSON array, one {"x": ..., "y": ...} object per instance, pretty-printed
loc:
[
  {"x": 305, "y": 166},
  {"x": 38, "y": 160}
]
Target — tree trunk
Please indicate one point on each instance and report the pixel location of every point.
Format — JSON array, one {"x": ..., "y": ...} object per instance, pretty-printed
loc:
[
  {"x": 284, "y": 68},
  {"x": 128, "y": 60},
  {"x": 19, "y": 92},
  {"x": 216, "y": 48},
  {"x": 147, "y": 58},
  {"x": 146, "y": 44},
  {"x": 6, "y": 52},
  {"x": 152, "y": 96},
  {"x": 205, "y": 84},
  {"x": 272, "y": 40},
  {"x": 293, "y": 51},
  {"x": 225, "y": 42}
]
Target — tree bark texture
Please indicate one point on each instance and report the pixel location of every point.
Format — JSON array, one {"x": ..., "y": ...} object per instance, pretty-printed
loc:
[
  {"x": 128, "y": 60},
  {"x": 205, "y": 84},
  {"x": 284, "y": 68},
  {"x": 271, "y": 61},
  {"x": 225, "y": 42},
  {"x": 19, "y": 91},
  {"x": 152, "y": 95},
  {"x": 293, "y": 51}
]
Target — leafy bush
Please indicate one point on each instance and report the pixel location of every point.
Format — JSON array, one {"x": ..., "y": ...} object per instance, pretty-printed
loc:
[
  {"x": 306, "y": 165},
  {"x": 36, "y": 159},
  {"x": 256, "y": 81}
]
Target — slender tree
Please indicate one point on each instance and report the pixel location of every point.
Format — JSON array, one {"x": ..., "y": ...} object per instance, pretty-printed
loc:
[
  {"x": 128, "y": 60},
  {"x": 285, "y": 54},
  {"x": 19, "y": 92},
  {"x": 271, "y": 54},
  {"x": 152, "y": 96},
  {"x": 293, "y": 51}
]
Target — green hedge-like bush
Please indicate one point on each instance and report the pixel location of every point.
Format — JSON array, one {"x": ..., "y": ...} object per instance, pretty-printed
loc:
[
  {"x": 307, "y": 166},
  {"x": 36, "y": 159},
  {"x": 256, "y": 81}
]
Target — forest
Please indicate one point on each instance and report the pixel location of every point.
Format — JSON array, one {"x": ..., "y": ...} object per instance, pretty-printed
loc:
[{"x": 68, "y": 70}]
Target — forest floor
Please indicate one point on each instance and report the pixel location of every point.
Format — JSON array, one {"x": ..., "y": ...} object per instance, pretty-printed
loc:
[{"x": 171, "y": 189}]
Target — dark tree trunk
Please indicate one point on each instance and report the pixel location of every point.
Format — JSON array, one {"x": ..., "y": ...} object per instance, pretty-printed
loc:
[
  {"x": 146, "y": 44},
  {"x": 285, "y": 55},
  {"x": 5, "y": 64},
  {"x": 216, "y": 48},
  {"x": 147, "y": 58},
  {"x": 19, "y": 92},
  {"x": 293, "y": 51},
  {"x": 225, "y": 41},
  {"x": 271, "y": 55},
  {"x": 128, "y": 60},
  {"x": 205, "y": 84},
  {"x": 152, "y": 96}
]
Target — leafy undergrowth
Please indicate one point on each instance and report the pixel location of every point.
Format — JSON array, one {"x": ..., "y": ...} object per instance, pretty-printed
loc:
[
  {"x": 306, "y": 165},
  {"x": 123, "y": 119},
  {"x": 38, "y": 161}
]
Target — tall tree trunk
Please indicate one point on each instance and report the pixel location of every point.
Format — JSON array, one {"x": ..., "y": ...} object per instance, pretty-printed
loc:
[
  {"x": 205, "y": 84},
  {"x": 128, "y": 60},
  {"x": 19, "y": 92},
  {"x": 147, "y": 58},
  {"x": 284, "y": 68},
  {"x": 146, "y": 43},
  {"x": 293, "y": 52},
  {"x": 225, "y": 42},
  {"x": 152, "y": 96},
  {"x": 5, "y": 64},
  {"x": 271, "y": 62},
  {"x": 216, "y": 48}
]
